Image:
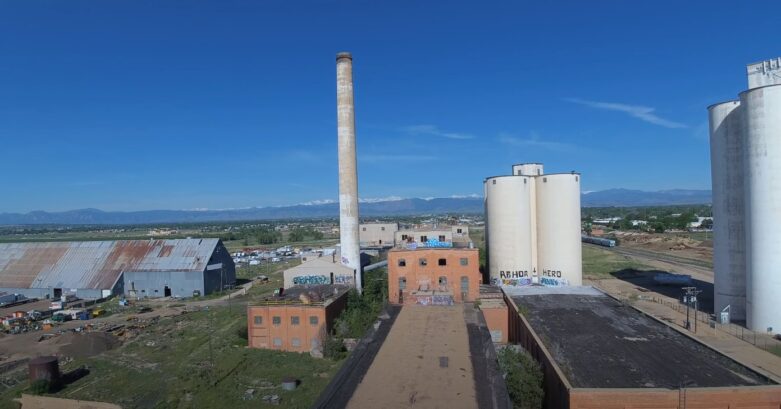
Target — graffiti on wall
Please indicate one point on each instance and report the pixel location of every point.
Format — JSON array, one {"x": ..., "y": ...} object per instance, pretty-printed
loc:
[
  {"x": 552, "y": 278},
  {"x": 548, "y": 278},
  {"x": 512, "y": 278},
  {"x": 343, "y": 280},
  {"x": 310, "y": 280},
  {"x": 434, "y": 300},
  {"x": 434, "y": 243}
]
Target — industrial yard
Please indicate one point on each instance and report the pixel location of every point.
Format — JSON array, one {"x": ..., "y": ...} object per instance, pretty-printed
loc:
[
  {"x": 196, "y": 351},
  {"x": 218, "y": 206}
]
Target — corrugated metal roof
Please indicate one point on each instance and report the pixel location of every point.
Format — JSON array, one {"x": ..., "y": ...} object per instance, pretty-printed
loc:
[{"x": 96, "y": 264}]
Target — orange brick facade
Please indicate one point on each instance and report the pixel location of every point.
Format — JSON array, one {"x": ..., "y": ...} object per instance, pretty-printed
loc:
[
  {"x": 497, "y": 320},
  {"x": 432, "y": 276},
  {"x": 293, "y": 327}
]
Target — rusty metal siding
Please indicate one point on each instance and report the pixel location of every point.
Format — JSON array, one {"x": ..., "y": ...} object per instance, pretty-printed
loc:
[{"x": 98, "y": 264}]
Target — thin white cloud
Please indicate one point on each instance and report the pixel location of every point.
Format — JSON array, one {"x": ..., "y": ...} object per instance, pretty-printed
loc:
[
  {"x": 640, "y": 112},
  {"x": 433, "y": 130},
  {"x": 534, "y": 141},
  {"x": 316, "y": 202},
  {"x": 380, "y": 199},
  {"x": 395, "y": 158}
]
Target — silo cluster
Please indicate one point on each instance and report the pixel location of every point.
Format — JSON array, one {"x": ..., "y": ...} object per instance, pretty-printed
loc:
[
  {"x": 745, "y": 137},
  {"x": 533, "y": 227}
]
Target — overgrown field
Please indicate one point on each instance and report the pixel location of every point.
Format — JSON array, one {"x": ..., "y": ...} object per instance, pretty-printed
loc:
[
  {"x": 599, "y": 263},
  {"x": 196, "y": 360}
]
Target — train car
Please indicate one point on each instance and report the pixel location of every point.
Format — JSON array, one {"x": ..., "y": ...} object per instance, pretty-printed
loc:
[{"x": 598, "y": 241}]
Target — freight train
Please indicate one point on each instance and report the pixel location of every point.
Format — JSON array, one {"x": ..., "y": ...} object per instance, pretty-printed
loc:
[{"x": 598, "y": 241}]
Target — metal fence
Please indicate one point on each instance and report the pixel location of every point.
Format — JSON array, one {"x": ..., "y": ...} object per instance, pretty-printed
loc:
[{"x": 761, "y": 340}]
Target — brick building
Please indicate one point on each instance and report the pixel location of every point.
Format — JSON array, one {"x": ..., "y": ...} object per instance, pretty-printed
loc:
[
  {"x": 296, "y": 321},
  {"x": 597, "y": 352},
  {"x": 433, "y": 276}
]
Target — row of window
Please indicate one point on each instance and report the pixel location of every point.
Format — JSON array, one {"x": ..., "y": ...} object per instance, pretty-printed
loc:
[
  {"x": 423, "y": 239},
  {"x": 441, "y": 262},
  {"x": 294, "y": 320},
  {"x": 294, "y": 342}
]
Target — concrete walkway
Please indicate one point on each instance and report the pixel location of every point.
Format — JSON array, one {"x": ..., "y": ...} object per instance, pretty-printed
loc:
[{"x": 424, "y": 362}]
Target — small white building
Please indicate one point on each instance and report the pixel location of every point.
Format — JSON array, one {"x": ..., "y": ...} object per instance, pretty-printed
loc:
[
  {"x": 319, "y": 271},
  {"x": 377, "y": 234}
]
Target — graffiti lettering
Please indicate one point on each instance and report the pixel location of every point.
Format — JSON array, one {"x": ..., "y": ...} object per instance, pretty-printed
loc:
[
  {"x": 551, "y": 273},
  {"x": 512, "y": 281},
  {"x": 436, "y": 243},
  {"x": 310, "y": 280},
  {"x": 343, "y": 280},
  {"x": 513, "y": 274},
  {"x": 553, "y": 282},
  {"x": 434, "y": 300}
]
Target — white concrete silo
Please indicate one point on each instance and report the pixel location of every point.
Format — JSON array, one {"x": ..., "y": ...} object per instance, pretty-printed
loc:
[
  {"x": 508, "y": 230},
  {"x": 729, "y": 240},
  {"x": 558, "y": 230},
  {"x": 762, "y": 156},
  {"x": 531, "y": 169}
]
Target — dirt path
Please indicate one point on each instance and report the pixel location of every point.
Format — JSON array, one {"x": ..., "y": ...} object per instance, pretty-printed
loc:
[{"x": 424, "y": 362}]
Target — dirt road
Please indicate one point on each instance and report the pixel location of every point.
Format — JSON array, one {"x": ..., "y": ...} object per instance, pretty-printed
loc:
[{"x": 424, "y": 362}]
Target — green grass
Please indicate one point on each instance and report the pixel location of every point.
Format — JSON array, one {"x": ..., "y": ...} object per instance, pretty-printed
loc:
[
  {"x": 776, "y": 349},
  {"x": 195, "y": 360},
  {"x": 599, "y": 263}
]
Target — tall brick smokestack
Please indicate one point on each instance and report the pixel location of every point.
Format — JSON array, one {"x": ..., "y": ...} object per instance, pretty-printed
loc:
[{"x": 348, "y": 169}]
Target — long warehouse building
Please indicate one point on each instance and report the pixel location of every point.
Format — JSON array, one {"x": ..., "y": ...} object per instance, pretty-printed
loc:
[{"x": 98, "y": 269}]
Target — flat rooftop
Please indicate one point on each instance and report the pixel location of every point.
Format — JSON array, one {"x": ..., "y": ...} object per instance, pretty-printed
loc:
[
  {"x": 598, "y": 342},
  {"x": 315, "y": 295}
]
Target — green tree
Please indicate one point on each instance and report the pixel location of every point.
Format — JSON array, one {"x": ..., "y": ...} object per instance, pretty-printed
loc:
[{"x": 523, "y": 377}]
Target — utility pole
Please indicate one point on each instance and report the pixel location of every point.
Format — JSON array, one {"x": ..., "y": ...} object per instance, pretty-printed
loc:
[{"x": 690, "y": 296}]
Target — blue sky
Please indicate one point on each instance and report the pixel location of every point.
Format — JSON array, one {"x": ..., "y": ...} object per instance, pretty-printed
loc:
[{"x": 130, "y": 105}]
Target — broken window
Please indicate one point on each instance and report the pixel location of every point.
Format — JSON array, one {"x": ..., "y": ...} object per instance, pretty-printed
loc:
[
  {"x": 402, "y": 262},
  {"x": 442, "y": 280},
  {"x": 464, "y": 284},
  {"x": 442, "y": 262},
  {"x": 423, "y": 262}
]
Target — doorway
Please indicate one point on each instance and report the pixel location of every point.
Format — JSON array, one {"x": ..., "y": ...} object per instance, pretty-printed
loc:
[{"x": 167, "y": 291}]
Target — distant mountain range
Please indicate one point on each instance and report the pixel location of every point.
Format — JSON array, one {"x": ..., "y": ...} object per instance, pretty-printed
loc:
[
  {"x": 393, "y": 207},
  {"x": 627, "y": 198}
]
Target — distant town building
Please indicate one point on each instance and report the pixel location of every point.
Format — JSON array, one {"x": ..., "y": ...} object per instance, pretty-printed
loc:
[
  {"x": 700, "y": 221},
  {"x": 377, "y": 234},
  {"x": 433, "y": 276},
  {"x": 429, "y": 236},
  {"x": 298, "y": 320},
  {"x": 97, "y": 269}
]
